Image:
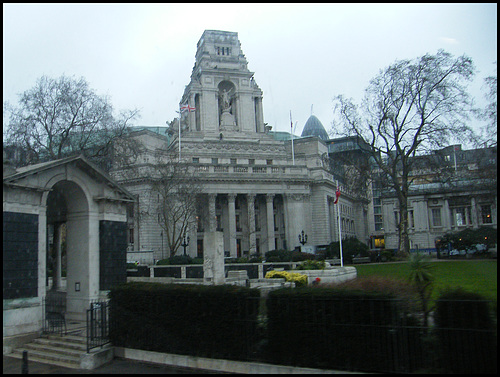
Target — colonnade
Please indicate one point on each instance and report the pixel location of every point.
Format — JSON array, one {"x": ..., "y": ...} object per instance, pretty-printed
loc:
[{"x": 251, "y": 222}]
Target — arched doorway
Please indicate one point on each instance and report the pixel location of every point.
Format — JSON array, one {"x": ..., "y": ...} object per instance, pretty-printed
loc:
[{"x": 69, "y": 247}]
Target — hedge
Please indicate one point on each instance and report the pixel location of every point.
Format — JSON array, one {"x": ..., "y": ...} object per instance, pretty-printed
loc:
[{"x": 206, "y": 321}]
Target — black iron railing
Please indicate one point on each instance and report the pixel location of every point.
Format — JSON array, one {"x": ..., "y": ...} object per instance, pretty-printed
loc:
[
  {"x": 97, "y": 325},
  {"x": 54, "y": 313}
]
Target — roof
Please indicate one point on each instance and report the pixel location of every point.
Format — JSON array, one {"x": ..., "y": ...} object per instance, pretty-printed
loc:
[
  {"x": 80, "y": 161},
  {"x": 314, "y": 127}
]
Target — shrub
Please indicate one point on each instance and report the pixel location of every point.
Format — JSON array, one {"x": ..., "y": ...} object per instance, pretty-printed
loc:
[
  {"x": 334, "y": 329},
  {"x": 351, "y": 246},
  {"x": 465, "y": 333},
  {"x": 298, "y": 279},
  {"x": 312, "y": 265},
  {"x": 287, "y": 256},
  {"x": 131, "y": 265},
  {"x": 206, "y": 321}
]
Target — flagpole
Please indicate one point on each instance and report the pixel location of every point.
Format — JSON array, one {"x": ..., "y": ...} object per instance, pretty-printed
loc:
[
  {"x": 340, "y": 231},
  {"x": 291, "y": 134},
  {"x": 180, "y": 113}
]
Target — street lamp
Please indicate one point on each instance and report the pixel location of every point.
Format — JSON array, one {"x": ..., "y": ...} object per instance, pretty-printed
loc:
[
  {"x": 303, "y": 238},
  {"x": 185, "y": 242},
  {"x": 161, "y": 234}
]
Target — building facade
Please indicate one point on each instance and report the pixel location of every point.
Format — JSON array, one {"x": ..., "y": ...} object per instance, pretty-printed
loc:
[
  {"x": 263, "y": 188},
  {"x": 255, "y": 189},
  {"x": 452, "y": 190}
]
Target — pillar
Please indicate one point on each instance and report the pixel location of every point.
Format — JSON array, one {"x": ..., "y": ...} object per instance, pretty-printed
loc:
[
  {"x": 251, "y": 223},
  {"x": 473, "y": 213},
  {"x": 57, "y": 276},
  {"x": 212, "y": 221},
  {"x": 232, "y": 224},
  {"x": 270, "y": 222}
]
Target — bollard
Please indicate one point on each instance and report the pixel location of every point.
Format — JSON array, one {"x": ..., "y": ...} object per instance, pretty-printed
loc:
[{"x": 24, "y": 368}]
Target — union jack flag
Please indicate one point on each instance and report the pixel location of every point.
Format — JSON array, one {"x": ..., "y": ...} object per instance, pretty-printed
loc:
[{"x": 186, "y": 107}]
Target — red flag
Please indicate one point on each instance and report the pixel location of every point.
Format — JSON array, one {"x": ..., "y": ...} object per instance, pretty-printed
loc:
[
  {"x": 187, "y": 108},
  {"x": 337, "y": 194}
]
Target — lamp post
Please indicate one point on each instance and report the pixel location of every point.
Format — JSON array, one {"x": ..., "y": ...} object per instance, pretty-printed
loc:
[
  {"x": 185, "y": 242},
  {"x": 303, "y": 238},
  {"x": 161, "y": 234}
]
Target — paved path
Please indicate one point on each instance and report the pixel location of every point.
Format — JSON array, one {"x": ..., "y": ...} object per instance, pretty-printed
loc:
[{"x": 117, "y": 366}]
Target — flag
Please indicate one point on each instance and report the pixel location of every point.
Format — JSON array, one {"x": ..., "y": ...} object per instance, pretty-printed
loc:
[
  {"x": 186, "y": 107},
  {"x": 337, "y": 195}
]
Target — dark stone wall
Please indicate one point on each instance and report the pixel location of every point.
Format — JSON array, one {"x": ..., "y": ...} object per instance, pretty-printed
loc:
[
  {"x": 20, "y": 255},
  {"x": 112, "y": 254}
]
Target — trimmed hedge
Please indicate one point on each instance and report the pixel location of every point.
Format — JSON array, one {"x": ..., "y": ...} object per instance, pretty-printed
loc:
[
  {"x": 197, "y": 320},
  {"x": 462, "y": 348},
  {"x": 332, "y": 329}
]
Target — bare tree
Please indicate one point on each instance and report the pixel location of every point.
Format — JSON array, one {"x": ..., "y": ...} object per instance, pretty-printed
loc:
[
  {"x": 60, "y": 117},
  {"x": 490, "y": 112},
  {"x": 410, "y": 108},
  {"x": 178, "y": 191}
]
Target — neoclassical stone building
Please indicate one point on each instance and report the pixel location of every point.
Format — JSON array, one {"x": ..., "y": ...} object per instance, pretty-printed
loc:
[{"x": 257, "y": 190}]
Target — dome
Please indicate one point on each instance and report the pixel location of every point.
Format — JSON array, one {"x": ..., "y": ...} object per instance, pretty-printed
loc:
[{"x": 314, "y": 127}]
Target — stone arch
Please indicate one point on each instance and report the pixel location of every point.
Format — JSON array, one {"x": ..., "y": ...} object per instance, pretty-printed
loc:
[{"x": 68, "y": 205}]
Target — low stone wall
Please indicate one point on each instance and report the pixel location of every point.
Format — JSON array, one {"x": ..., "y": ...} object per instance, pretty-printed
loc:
[{"x": 332, "y": 275}]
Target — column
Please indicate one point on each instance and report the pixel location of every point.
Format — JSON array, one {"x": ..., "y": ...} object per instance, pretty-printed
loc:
[
  {"x": 57, "y": 276},
  {"x": 270, "y": 222},
  {"x": 251, "y": 223},
  {"x": 212, "y": 225},
  {"x": 474, "y": 213},
  {"x": 232, "y": 223},
  {"x": 446, "y": 216}
]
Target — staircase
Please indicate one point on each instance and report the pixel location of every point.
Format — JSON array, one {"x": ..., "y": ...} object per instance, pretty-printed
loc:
[{"x": 55, "y": 349}]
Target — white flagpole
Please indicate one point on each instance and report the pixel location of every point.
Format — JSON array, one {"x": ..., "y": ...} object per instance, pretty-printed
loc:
[
  {"x": 291, "y": 134},
  {"x": 340, "y": 231},
  {"x": 180, "y": 114}
]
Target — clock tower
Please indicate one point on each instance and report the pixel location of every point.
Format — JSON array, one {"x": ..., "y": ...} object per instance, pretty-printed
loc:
[{"x": 227, "y": 100}]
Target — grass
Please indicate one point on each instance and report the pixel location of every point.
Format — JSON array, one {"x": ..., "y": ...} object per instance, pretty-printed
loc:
[{"x": 474, "y": 276}]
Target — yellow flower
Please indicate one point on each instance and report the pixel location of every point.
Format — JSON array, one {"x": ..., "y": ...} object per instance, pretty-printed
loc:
[{"x": 299, "y": 279}]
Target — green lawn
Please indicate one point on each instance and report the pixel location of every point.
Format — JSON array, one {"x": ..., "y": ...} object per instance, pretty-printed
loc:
[{"x": 474, "y": 276}]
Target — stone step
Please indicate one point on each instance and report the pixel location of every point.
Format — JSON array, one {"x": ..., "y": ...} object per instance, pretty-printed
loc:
[
  {"x": 48, "y": 358},
  {"x": 66, "y": 339},
  {"x": 64, "y": 348},
  {"x": 62, "y": 343},
  {"x": 55, "y": 349}
]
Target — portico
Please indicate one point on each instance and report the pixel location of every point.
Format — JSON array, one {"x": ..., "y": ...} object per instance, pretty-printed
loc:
[{"x": 252, "y": 223}]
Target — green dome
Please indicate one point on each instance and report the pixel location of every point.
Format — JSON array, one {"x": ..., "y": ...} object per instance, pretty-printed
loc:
[{"x": 314, "y": 127}]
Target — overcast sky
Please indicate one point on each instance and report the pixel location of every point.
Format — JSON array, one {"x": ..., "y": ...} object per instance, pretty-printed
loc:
[{"x": 142, "y": 55}]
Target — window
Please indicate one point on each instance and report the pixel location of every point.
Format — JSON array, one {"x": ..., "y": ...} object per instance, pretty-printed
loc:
[
  {"x": 460, "y": 219},
  {"x": 411, "y": 222},
  {"x": 215, "y": 161},
  {"x": 199, "y": 223},
  {"x": 486, "y": 214},
  {"x": 238, "y": 225},
  {"x": 199, "y": 248},
  {"x": 131, "y": 235},
  {"x": 223, "y": 50},
  {"x": 436, "y": 217},
  {"x": 233, "y": 161},
  {"x": 269, "y": 162},
  {"x": 196, "y": 160},
  {"x": 251, "y": 161},
  {"x": 219, "y": 223}
]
